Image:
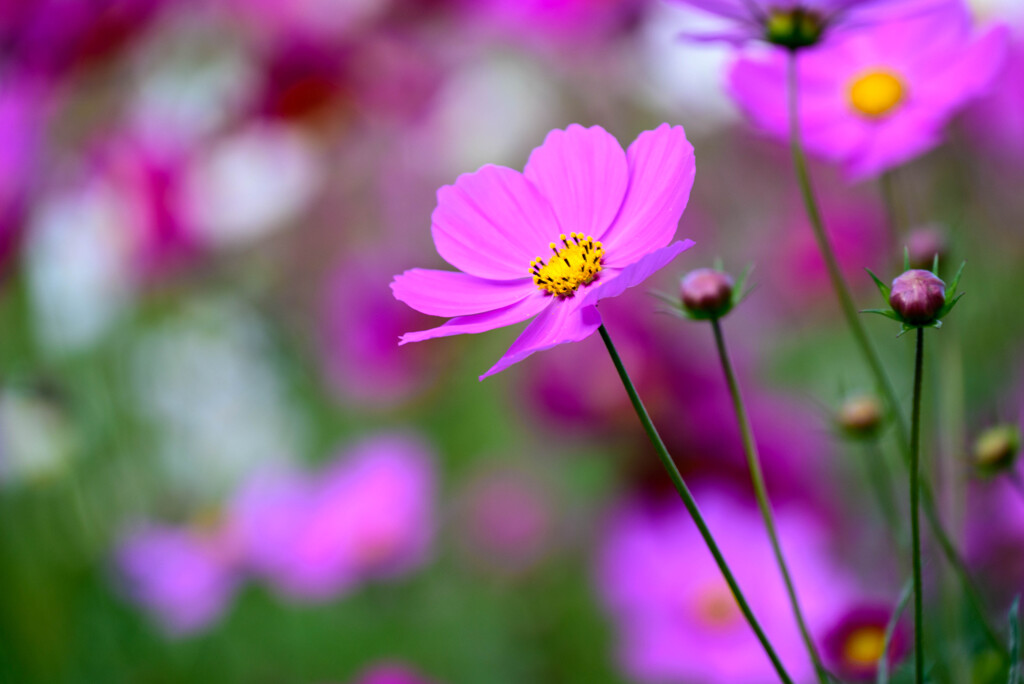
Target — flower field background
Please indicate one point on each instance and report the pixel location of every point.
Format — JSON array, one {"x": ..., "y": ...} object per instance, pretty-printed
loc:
[{"x": 217, "y": 464}]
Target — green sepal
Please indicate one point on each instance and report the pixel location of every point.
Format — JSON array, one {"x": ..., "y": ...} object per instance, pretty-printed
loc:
[
  {"x": 948, "y": 306},
  {"x": 906, "y": 258},
  {"x": 740, "y": 291},
  {"x": 882, "y": 287},
  {"x": 888, "y": 313},
  {"x": 955, "y": 283}
]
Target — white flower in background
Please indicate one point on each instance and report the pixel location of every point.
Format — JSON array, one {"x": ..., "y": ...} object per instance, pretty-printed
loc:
[
  {"x": 491, "y": 111},
  {"x": 208, "y": 383},
  {"x": 36, "y": 440},
  {"x": 682, "y": 78},
  {"x": 1010, "y": 11},
  {"x": 189, "y": 81},
  {"x": 78, "y": 262},
  {"x": 245, "y": 186}
]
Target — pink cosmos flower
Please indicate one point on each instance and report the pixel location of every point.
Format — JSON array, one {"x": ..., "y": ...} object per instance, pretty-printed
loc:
[
  {"x": 185, "y": 577},
  {"x": 880, "y": 96},
  {"x": 677, "y": 620},
  {"x": 997, "y": 121},
  {"x": 583, "y": 222},
  {"x": 853, "y": 647},
  {"x": 799, "y": 23}
]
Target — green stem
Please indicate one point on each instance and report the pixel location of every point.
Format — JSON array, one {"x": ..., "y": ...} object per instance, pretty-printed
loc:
[
  {"x": 761, "y": 493},
  {"x": 867, "y": 350},
  {"x": 691, "y": 506},
  {"x": 915, "y": 504}
]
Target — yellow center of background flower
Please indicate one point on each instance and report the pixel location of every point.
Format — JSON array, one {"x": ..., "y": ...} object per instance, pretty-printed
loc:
[
  {"x": 716, "y": 608},
  {"x": 863, "y": 647},
  {"x": 576, "y": 262},
  {"x": 876, "y": 93}
]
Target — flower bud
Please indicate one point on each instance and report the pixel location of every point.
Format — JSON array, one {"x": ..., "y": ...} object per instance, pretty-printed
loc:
[
  {"x": 997, "y": 448},
  {"x": 924, "y": 244},
  {"x": 707, "y": 292},
  {"x": 918, "y": 296},
  {"x": 861, "y": 416}
]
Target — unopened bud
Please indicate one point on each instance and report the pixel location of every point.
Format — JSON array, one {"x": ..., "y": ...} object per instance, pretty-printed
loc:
[
  {"x": 918, "y": 296},
  {"x": 923, "y": 245},
  {"x": 997, "y": 448},
  {"x": 707, "y": 292},
  {"x": 861, "y": 416}
]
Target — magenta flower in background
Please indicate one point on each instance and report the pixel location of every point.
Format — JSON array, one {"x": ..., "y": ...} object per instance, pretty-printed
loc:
[
  {"x": 799, "y": 23},
  {"x": 853, "y": 647},
  {"x": 368, "y": 516},
  {"x": 390, "y": 674},
  {"x": 997, "y": 120},
  {"x": 583, "y": 222},
  {"x": 185, "y": 577},
  {"x": 506, "y": 520},
  {"x": 878, "y": 97},
  {"x": 677, "y": 620},
  {"x": 360, "y": 322}
]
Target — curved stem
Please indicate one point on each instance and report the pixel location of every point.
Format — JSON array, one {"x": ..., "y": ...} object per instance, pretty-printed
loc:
[
  {"x": 915, "y": 502},
  {"x": 691, "y": 506},
  {"x": 885, "y": 386},
  {"x": 761, "y": 493}
]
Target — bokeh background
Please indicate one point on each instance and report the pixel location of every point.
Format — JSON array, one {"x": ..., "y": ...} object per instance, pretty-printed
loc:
[{"x": 216, "y": 464}]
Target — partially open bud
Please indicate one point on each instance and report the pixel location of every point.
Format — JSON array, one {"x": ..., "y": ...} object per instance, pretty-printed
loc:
[
  {"x": 861, "y": 417},
  {"x": 707, "y": 293},
  {"x": 923, "y": 245},
  {"x": 918, "y": 296},
  {"x": 997, "y": 448}
]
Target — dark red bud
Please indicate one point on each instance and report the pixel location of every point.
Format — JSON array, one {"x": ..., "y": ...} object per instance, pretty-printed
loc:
[
  {"x": 707, "y": 292},
  {"x": 917, "y": 296}
]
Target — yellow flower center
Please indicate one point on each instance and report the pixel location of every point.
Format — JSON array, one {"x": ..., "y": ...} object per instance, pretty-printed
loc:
[
  {"x": 716, "y": 608},
  {"x": 575, "y": 263},
  {"x": 876, "y": 93},
  {"x": 863, "y": 647}
]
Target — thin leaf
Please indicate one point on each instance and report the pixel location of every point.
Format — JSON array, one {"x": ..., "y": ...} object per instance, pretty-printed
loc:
[
  {"x": 890, "y": 630},
  {"x": 950, "y": 304},
  {"x": 1015, "y": 664},
  {"x": 935, "y": 264},
  {"x": 906, "y": 258}
]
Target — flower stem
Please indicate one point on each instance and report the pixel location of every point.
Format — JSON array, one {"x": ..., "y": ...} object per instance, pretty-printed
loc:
[
  {"x": 761, "y": 493},
  {"x": 691, "y": 506},
  {"x": 915, "y": 502},
  {"x": 867, "y": 350}
]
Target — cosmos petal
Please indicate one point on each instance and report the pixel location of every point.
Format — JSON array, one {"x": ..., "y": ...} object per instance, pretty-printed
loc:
[
  {"x": 451, "y": 293},
  {"x": 563, "y": 321},
  {"x": 583, "y": 173},
  {"x": 482, "y": 322}
]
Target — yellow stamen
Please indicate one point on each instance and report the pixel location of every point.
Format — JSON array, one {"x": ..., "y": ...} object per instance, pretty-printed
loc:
[
  {"x": 863, "y": 646},
  {"x": 876, "y": 93},
  {"x": 576, "y": 262}
]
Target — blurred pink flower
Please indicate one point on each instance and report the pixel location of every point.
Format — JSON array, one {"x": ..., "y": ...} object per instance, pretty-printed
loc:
[
  {"x": 185, "y": 577},
  {"x": 325, "y": 21},
  {"x": 538, "y": 21},
  {"x": 751, "y": 20},
  {"x": 506, "y": 520},
  {"x": 677, "y": 620},
  {"x": 607, "y": 215},
  {"x": 24, "y": 110},
  {"x": 390, "y": 674},
  {"x": 854, "y": 644},
  {"x": 367, "y": 516},
  {"x": 360, "y": 323},
  {"x": 997, "y": 120},
  {"x": 878, "y": 97}
]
